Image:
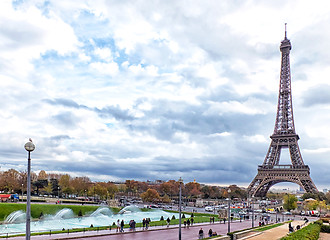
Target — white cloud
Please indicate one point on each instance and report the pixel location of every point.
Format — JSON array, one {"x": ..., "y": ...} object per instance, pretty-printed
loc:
[
  {"x": 105, "y": 68},
  {"x": 156, "y": 82},
  {"x": 104, "y": 53}
]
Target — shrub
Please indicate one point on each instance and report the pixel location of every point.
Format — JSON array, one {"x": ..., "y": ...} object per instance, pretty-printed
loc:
[
  {"x": 161, "y": 218},
  {"x": 325, "y": 228},
  {"x": 183, "y": 216},
  {"x": 325, "y": 220},
  {"x": 173, "y": 217},
  {"x": 80, "y": 213},
  {"x": 319, "y": 222}
]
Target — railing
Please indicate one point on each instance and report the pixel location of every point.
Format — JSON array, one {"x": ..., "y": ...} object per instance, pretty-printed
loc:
[{"x": 284, "y": 167}]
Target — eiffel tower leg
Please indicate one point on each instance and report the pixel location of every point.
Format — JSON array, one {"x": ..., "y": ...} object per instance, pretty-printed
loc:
[
  {"x": 253, "y": 186},
  {"x": 259, "y": 186},
  {"x": 296, "y": 159}
]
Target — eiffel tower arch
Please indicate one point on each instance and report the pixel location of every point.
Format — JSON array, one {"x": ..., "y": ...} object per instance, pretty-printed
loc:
[{"x": 284, "y": 136}]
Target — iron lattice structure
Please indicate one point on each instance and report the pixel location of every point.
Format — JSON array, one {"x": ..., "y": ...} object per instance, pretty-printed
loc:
[{"x": 284, "y": 136}]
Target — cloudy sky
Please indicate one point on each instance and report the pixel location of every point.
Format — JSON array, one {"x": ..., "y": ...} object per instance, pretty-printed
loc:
[{"x": 147, "y": 90}]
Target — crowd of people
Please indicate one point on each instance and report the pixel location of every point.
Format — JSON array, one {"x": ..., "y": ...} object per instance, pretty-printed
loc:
[
  {"x": 146, "y": 223},
  {"x": 132, "y": 225}
]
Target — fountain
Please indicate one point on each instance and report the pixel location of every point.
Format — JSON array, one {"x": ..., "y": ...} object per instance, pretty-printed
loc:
[
  {"x": 65, "y": 218},
  {"x": 129, "y": 209},
  {"x": 102, "y": 211},
  {"x": 63, "y": 214},
  {"x": 16, "y": 217}
]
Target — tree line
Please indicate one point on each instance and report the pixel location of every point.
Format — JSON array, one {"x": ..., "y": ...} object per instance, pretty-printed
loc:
[{"x": 13, "y": 181}]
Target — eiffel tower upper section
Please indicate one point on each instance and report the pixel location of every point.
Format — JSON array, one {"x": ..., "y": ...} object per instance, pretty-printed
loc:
[
  {"x": 284, "y": 135},
  {"x": 284, "y": 123}
]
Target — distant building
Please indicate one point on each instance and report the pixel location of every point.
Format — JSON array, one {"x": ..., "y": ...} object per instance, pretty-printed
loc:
[{"x": 156, "y": 182}]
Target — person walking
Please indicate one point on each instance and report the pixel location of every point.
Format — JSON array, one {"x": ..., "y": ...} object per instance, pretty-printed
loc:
[
  {"x": 147, "y": 223},
  {"x": 168, "y": 220},
  {"x": 133, "y": 225},
  {"x": 143, "y": 223},
  {"x": 201, "y": 234},
  {"x": 122, "y": 225},
  {"x": 118, "y": 226}
]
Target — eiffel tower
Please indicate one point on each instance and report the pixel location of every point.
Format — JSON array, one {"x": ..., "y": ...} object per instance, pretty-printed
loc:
[{"x": 284, "y": 136}]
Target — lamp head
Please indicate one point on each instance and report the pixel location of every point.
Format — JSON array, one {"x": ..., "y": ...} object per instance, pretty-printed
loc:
[
  {"x": 29, "y": 146},
  {"x": 180, "y": 180}
]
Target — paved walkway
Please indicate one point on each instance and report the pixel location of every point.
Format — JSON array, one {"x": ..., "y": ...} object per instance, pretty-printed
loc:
[
  {"x": 324, "y": 236},
  {"x": 152, "y": 234},
  {"x": 276, "y": 233},
  {"x": 162, "y": 232}
]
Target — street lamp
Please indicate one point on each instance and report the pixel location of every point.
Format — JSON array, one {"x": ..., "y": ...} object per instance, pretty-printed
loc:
[
  {"x": 22, "y": 192},
  {"x": 29, "y": 146},
  {"x": 229, "y": 191},
  {"x": 180, "y": 182},
  {"x": 252, "y": 211},
  {"x": 58, "y": 194}
]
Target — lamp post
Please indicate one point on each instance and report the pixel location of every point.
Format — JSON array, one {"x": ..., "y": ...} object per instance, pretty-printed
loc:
[
  {"x": 29, "y": 146},
  {"x": 22, "y": 192},
  {"x": 180, "y": 182},
  {"x": 252, "y": 211},
  {"x": 275, "y": 215},
  {"x": 229, "y": 191},
  {"x": 58, "y": 194}
]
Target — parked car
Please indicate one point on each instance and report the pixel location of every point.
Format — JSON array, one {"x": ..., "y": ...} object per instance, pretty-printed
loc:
[
  {"x": 208, "y": 209},
  {"x": 287, "y": 213}
]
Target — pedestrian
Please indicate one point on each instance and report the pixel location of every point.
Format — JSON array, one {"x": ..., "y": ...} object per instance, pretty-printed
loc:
[
  {"x": 118, "y": 225},
  {"x": 185, "y": 223},
  {"x": 168, "y": 220},
  {"x": 122, "y": 225},
  {"x": 143, "y": 223},
  {"x": 147, "y": 223},
  {"x": 192, "y": 220},
  {"x": 133, "y": 225},
  {"x": 290, "y": 228},
  {"x": 306, "y": 220},
  {"x": 210, "y": 232},
  {"x": 201, "y": 234},
  {"x": 213, "y": 219},
  {"x": 188, "y": 223}
]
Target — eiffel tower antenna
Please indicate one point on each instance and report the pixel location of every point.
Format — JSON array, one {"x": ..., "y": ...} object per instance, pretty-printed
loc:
[{"x": 284, "y": 136}]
